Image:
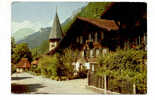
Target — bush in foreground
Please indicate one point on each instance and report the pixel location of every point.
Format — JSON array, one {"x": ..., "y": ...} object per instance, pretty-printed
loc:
[{"x": 129, "y": 65}]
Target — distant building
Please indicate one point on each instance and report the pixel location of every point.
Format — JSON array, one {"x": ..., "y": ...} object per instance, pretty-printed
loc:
[{"x": 23, "y": 65}]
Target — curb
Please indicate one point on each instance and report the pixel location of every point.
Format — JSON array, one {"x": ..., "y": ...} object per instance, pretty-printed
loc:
[{"x": 100, "y": 90}]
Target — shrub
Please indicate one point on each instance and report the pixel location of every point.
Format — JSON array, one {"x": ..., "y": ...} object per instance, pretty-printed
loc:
[
  {"x": 35, "y": 70},
  {"x": 125, "y": 65},
  {"x": 63, "y": 78},
  {"x": 48, "y": 65},
  {"x": 13, "y": 68},
  {"x": 57, "y": 78},
  {"x": 67, "y": 58},
  {"x": 52, "y": 77}
]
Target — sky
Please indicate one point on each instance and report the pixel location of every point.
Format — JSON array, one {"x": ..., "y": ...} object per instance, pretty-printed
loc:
[{"x": 41, "y": 14}]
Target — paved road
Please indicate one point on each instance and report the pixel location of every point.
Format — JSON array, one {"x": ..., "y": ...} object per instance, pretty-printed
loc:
[{"x": 40, "y": 85}]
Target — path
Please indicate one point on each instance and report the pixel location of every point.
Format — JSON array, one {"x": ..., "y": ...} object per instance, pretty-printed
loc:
[{"x": 40, "y": 85}]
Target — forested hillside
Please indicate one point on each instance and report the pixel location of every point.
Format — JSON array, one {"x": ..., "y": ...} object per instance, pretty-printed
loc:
[
  {"x": 36, "y": 38},
  {"x": 94, "y": 9}
]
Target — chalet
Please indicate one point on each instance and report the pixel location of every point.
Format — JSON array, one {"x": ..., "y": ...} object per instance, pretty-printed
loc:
[
  {"x": 23, "y": 65},
  {"x": 92, "y": 38},
  {"x": 122, "y": 25}
]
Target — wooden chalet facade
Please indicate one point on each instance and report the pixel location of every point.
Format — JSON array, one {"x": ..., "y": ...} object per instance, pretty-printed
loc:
[{"x": 91, "y": 36}]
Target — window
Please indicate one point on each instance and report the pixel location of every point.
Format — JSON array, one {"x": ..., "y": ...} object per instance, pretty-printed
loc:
[
  {"x": 96, "y": 38},
  {"x": 83, "y": 53},
  {"x": 77, "y": 39},
  {"x": 52, "y": 45},
  {"x": 81, "y": 39},
  {"x": 97, "y": 52},
  {"x": 102, "y": 36},
  {"x": 90, "y": 36},
  {"x": 91, "y": 53},
  {"x": 94, "y": 52},
  {"x": 104, "y": 51}
]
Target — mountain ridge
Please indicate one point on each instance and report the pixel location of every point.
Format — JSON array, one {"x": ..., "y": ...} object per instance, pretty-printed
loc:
[{"x": 22, "y": 33}]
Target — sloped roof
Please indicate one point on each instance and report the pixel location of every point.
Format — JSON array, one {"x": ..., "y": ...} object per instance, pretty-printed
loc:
[
  {"x": 102, "y": 23},
  {"x": 56, "y": 31},
  {"x": 35, "y": 62},
  {"x": 23, "y": 63}
]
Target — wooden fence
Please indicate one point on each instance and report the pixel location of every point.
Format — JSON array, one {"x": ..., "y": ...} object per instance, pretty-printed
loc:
[{"x": 114, "y": 85}]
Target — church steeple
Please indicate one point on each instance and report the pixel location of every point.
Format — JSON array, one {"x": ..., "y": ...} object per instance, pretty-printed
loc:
[
  {"x": 55, "y": 34},
  {"x": 56, "y": 31}
]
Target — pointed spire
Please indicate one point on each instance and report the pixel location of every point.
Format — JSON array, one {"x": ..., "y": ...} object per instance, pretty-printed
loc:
[
  {"x": 56, "y": 9},
  {"x": 56, "y": 31}
]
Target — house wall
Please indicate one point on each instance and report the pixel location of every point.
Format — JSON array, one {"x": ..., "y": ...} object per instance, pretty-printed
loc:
[
  {"x": 133, "y": 41},
  {"x": 52, "y": 45},
  {"x": 19, "y": 70},
  {"x": 92, "y": 41}
]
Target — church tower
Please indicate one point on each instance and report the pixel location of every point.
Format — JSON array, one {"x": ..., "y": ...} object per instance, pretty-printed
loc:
[{"x": 55, "y": 34}]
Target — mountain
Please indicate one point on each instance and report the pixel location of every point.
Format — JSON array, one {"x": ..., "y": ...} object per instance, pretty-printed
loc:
[
  {"x": 35, "y": 40},
  {"x": 22, "y": 33}
]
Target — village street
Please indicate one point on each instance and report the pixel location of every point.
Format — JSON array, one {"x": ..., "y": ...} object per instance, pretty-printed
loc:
[{"x": 40, "y": 85}]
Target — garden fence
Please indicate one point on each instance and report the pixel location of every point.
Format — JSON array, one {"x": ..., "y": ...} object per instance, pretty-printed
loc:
[{"x": 114, "y": 85}]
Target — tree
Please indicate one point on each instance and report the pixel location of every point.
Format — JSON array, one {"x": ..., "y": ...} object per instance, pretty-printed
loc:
[
  {"x": 35, "y": 53},
  {"x": 13, "y": 44},
  {"x": 68, "y": 57},
  {"x": 48, "y": 65},
  {"x": 21, "y": 50},
  {"x": 94, "y": 9},
  {"x": 44, "y": 47}
]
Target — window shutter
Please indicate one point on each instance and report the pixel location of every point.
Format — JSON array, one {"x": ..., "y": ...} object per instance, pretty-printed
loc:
[
  {"x": 97, "y": 52},
  {"x": 96, "y": 37},
  {"x": 89, "y": 36}
]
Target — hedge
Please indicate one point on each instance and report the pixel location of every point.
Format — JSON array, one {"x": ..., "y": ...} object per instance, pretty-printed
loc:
[{"x": 125, "y": 65}]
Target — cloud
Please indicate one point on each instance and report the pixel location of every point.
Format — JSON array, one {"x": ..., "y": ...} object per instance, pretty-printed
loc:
[{"x": 28, "y": 24}]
